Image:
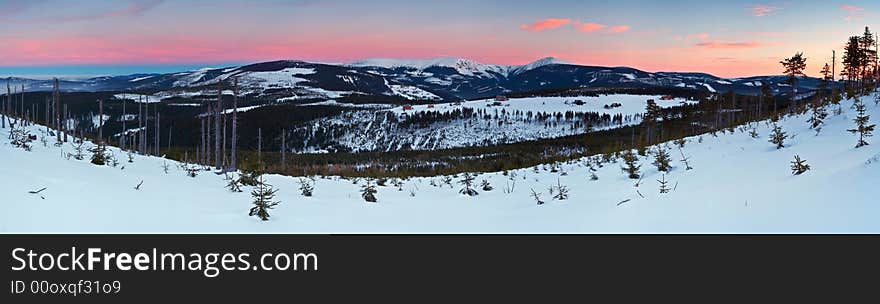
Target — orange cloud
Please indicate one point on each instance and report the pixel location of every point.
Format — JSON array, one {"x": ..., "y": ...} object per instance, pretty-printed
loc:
[
  {"x": 853, "y": 12},
  {"x": 619, "y": 29},
  {"x": 589, "y": 27},
  {"x": 761, "y": 10},
  {"x": 728, "y": 45},
  {"x": 546, "y": 24}
]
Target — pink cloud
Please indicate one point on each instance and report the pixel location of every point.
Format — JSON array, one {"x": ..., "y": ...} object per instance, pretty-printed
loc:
[
  {"x": 761, "y": 10},
  {"x": 589, "y": 27},
  {"x": 619, "y": 29},
  {"x": 728, "y": 45},
  {"x": 853, "y": 12},
  {"x": 545, "y": 24}
]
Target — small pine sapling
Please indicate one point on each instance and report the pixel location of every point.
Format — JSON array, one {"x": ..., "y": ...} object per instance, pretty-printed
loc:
[
  {"x": 685, "y": 160},
  {"x": 99, "y": 155},
  {"x": 305, "y": 187},
  {"x": 862, "y": 128},
  {"x": 631, "y": 162},
  {"x": 561, "y": 192},
  {"x": 486, "y": 186},
  {"x": 233, "y": 185},
  {"x": 664, "y": 187},
  {"x": 593, "y": 176},
  {"x": 263, "y": 196},
  {"x": 537, "y": 197},
  {"x": 467, "y": 183},
  {"x": 165, "y": 166},
  {"x": 368, "y": 192},
  {"x": 754, "y": 133},
  {"x": 799, "y": 166},
  {"x": 777, "y": 136},
  {"x": 661, "y": 159}
]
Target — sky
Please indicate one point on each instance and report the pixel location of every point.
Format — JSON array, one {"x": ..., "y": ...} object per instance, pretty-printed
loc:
[{"x": 724, "y": 38}]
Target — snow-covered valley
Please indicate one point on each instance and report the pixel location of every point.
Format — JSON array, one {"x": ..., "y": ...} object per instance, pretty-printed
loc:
[
  {"x": 477, "y": 122},
  {"x": 738, "y": 184}
]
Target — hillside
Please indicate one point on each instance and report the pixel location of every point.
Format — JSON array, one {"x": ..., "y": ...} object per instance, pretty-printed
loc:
[{"x": 738, "y": 184}]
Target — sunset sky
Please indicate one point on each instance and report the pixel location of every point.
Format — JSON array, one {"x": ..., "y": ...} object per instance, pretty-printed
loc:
[{"x": 725, "y": 38}]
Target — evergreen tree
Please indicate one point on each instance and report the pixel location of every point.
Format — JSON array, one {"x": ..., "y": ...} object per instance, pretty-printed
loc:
[
  {"x": 368, "y": 192},
  {"x": 799, "y": 166},
  {"x": 561, "y": 192},
  {"x": 862, "y": 128},
  {"x": 661, "y": 159},
  {"x": 467, "y": 183},
  {"x": 537, "y": 197},
  {"x": 777, "y": 136},
  {"x": 664, "y": 188},
  {"x": 305, "y": 187},
  {"x": 486, "y": 186},
  {"x": 794, "y": 67},
  {"x": 99, "y": 155},
  {"x": 234, "y": 185},
  {"x": 817, "y": 116},
  {"x": 852, "y": 59},
  {"x": 631, "y": 162},
  {"x": 263, "y": 196}
]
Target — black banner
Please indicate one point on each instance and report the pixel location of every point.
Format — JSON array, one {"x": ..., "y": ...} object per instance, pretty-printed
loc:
[{"x": 412, "y": 267}]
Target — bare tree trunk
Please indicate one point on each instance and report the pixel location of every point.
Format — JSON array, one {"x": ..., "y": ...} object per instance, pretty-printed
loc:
[
  {"x": 124, "y": 130},
  {"x": 260, "y": 144},
  {"x": 202, "y": 141},
  {"x": 216, "y": 118},
  {"x": 66, "y": 125},
  {"x": 140, "y": 124},
  {"x": 170, "y": 126},
  {"x": 283, "y": 150},
  {"x": 100, "y": 120},
  {"x": 234, "y": 146},
  {"x": 157, "y": 131},
  {"x": 225, "y": 159},
  {"x": 57, "y": 103}
]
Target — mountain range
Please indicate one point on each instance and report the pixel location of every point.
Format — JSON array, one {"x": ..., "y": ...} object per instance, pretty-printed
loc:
[{"x": 437, "y": 79}]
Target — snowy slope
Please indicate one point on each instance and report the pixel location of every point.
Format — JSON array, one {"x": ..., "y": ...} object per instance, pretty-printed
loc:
[{"x": 739, "y": 184}]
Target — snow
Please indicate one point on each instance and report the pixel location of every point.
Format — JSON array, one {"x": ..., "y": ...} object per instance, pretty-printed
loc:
[
  {"x": 708, "y": 87},
  {"x": 411, "y": 92},
  {"x": 739, "y": 185},
  {"x": 628, "y": 76},
  {"x": 141, "y": 78},
  {"x": 631, "y": 104},
  {"x": 138, "y": 98},
  {"x": 462, "y": 66}
]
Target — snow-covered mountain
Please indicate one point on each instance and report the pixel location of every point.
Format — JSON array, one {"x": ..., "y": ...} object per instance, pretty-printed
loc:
[
  {"x": 438, "y": 79},
  {"x": 738, "y": 184}
]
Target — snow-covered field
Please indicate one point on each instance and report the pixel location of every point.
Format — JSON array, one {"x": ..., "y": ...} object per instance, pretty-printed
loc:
[{"x": 739, "y": 184}]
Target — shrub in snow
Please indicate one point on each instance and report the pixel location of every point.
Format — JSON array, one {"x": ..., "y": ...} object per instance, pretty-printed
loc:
[
  {"x": 21, "y": 137},
  {"x": 233, "y": 185},
  {"x": 680, "y": 142},
  {"x": 368, "y": 192},
  {"x": 631, "y": 164},
  {"x": 263, "y": 196},
  {"x": 249, "y": 178},
  {"x": 661, "y": 159},
  {"x": 862, "y": 128},
  {"x": 799, "y": 166},
  {"x": 486, "y": 186},
  {"x": 467, "y": 183},
  {"x": 99, "y": 154},
  {"x": 305, "y": 187},
  {"x": 664, "y": 188},
  {"x": 537, "y": 197},
  {"x": 561, "y": 192},
  {"x": 777, "y": 136}
]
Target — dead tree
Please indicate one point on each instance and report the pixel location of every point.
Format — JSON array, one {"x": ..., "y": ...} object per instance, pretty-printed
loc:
[
  {"x": 100, "y": 120},
  {"x": 283, "y": 150},
  {"x": 56, "y": 100},
  {"x": 260, "y": 144},
  {"x": 234, "y": 146},
  {"x": 216, "y": 116},
  {"x": 124, "y": 130}
]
